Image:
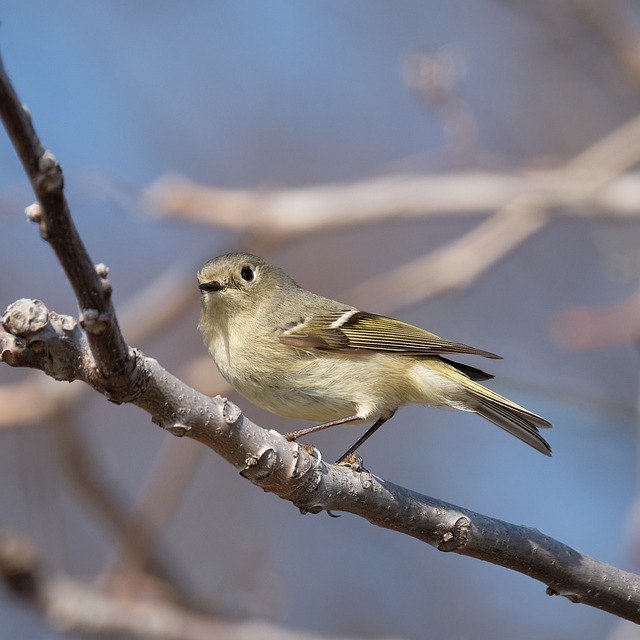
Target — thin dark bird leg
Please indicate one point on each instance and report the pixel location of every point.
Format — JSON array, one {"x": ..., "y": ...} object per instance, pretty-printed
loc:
[
  {"x": 376, "y": 425},
  {"x": 294, "y": 435}
]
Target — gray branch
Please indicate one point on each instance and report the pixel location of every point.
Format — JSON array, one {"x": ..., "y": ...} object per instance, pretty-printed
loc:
[
  {"x": 90, "y": 285},
  {"x": 93, "y": 350},
  {"x": 33, "y": 336}
]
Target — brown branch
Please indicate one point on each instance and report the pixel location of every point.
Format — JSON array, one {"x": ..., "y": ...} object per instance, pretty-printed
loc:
[
  {"x": 588, "y": 184},
  {"x": 141, "y": 318},
  {"x": 135, "y": 530}
]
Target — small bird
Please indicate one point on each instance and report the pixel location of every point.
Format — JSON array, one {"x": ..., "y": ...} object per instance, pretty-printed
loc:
[{"x": 303, "y": 356}]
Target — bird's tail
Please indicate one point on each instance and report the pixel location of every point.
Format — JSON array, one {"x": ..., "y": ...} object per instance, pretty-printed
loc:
[{"x": 509, "y": 416}]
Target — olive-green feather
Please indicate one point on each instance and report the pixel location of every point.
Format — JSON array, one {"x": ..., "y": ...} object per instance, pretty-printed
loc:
[{"x": 372, "y": 332}]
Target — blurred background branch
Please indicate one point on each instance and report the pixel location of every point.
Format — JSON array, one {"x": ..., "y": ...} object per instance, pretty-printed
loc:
[{"x": 72, "y": 606}]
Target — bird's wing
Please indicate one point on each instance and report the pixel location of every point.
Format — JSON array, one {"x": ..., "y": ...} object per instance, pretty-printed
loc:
[{"x": 351, "y": 330}]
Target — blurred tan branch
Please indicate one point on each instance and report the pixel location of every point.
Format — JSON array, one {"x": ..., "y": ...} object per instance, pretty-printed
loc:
[
  {"x": 303, "y": 210},
  {"x": 133, "y": 608},
  {"x": 460, "y": 262},
  {"x": 582, "y": 328},
  {"x": 33, "y": 399},
  {"x": 590, "y": 184},
  {"x": 614, "y": 21}
]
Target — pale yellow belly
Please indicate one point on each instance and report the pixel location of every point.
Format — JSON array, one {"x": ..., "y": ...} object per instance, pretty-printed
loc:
[{"x": 327, "y": 387}]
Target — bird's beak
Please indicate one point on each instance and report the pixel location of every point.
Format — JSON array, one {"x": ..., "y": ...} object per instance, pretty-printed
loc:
[{"x": 214, "y": 285}]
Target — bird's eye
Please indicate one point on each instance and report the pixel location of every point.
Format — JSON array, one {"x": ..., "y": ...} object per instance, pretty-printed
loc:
[{"x": 247, "y": 273}]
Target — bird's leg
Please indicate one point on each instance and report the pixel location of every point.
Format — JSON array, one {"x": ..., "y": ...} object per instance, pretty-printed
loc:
[
  {"x": 376, "y": 425},
  {"x": 294, "y": 435}
]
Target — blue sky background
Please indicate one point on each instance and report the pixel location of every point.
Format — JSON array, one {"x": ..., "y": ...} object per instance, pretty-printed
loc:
[{"x": 250, "y": 94}]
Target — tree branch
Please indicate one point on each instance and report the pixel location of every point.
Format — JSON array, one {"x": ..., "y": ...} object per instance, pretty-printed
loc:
[
  {"x": 112, "y": 361},
  {"x": 33, "y": 336},
  {"x": 307, "y": 209}
]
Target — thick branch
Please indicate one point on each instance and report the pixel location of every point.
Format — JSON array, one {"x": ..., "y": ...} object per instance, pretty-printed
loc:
[{"x": 35, "y": 337}]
